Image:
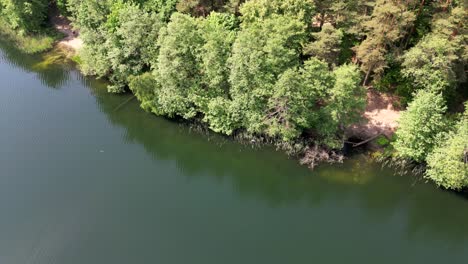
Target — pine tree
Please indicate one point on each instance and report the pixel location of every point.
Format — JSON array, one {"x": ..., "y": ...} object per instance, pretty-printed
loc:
[{"x": 390, "y": 21}]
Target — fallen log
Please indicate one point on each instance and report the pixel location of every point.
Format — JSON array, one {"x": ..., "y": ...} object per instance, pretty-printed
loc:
[{"x": 354, "y": 144}]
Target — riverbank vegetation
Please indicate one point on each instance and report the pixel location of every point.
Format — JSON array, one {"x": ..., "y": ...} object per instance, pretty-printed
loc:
[
  {"x": 26, "y": 43},
  {"x": 24, "y": 23},
  {"x": 293, "y": 72}
]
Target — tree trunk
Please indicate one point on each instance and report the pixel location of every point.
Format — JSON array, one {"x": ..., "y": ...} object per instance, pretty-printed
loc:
[
  {"x": 367, "y": 77},
  {"x": 421, "y": 6},
  {"x": 322, "y": 19},
  {"x": 355, "y": 145},
  {"x": 447, "y": 3}
]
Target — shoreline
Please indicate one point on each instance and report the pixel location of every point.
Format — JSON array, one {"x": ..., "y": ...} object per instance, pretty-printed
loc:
[{"x": 378, "y": 120}]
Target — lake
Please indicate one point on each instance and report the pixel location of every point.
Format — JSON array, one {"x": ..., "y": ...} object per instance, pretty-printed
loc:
[{"x": 86, "y": 178}]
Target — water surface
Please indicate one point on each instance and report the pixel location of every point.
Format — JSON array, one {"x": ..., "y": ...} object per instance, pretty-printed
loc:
[{"x": 83, "y": 180}]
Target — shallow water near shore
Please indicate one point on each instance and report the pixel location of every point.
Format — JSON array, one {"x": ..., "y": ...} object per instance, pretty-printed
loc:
[{"x": 86, "y": 180}]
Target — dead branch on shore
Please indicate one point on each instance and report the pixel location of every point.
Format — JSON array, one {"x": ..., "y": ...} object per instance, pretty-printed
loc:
[{"x": 354, "y": 144}]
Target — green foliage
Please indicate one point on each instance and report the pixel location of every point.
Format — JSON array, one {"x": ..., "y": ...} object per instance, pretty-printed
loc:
[
  {"x": 233, "y": 6},
  {"x": 94, "y": 54},
  {"x": 342, "y": 104},
  {"x": 251, "y": 78},
  {"x": 123, "y": 46},
  {"x": 27, "y": 43},
  {"x": 348, "y": 97},
  {"x": 23, "y": 21},
  {"x": 77, "y": 59},
  {"x": 131, "y": 42},
  {"x": 23, "y": 15},
  {"x": 382, "y": 141},
  {"x": 349, "y": 15},
  {"x": 62, "y": 6},
  {"x": 390, "y": 21},
  {"x": 191, "y": 72},
  {"x": 255, "y": 10},
  {"x": 312, "y": 98},
  {"x": 164, "y": 8},
  {"x": 292, "y": 108},
  {"x": 421, "y": 126},
  {"x": 200, "y": 7},
  {"x": 438, "y": 61},
  {"x": 447, "y": 164},
  {"x": 178, "y": 67},
  {"x": 191, "y": 65},
  {"x": 430, "y": 63},
  {"x": 262, "y": 51},
  {"x": 218, "y": 35},
  {"x": 222, "y": 115},
  {"x": 143, "y": 87},
  {"x": 394, "y": 81},
  {"x": 287, "y": 70},
  {"x": 327, "y": 44},
  {"x": 89, "y": 15},
  {"x": 422, "y": 24}
]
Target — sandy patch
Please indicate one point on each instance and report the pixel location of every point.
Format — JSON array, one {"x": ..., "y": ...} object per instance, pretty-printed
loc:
[
  {"x": 71, "y": 40},
  {"x": 380, "y": 117}
]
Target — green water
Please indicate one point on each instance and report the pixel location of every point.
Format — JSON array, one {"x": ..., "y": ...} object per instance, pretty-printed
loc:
[{"x": 84, "y": 181}]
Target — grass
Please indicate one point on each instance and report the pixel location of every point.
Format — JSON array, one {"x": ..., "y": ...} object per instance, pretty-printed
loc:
[
  {"x": 382, "y": 141},
  {"x": 76, "y": 59},
  {"x": 29, "y": 43}
]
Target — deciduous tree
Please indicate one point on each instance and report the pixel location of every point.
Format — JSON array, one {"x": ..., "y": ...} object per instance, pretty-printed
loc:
[
  {"x": 421, "y": 126},
  {"x": 178, "y": 71},
  {"x": 447, "y": 164},
  {"x": 263, "y": 50}
]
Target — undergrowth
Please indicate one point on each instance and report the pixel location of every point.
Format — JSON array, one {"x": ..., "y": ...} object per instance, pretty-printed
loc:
[{"x": 29, "y": 43}]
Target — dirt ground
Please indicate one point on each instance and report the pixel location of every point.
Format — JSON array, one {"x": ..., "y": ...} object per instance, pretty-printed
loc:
[
  {"x": 62, "y": 24},
  {"x": 380, "y": 117}
]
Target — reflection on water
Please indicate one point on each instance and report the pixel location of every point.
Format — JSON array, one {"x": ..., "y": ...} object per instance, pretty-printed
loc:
[
  {"x": 269, "y": 176},
  {"x": 49, "y": 73},
  {"x": 84, "y": 182}
]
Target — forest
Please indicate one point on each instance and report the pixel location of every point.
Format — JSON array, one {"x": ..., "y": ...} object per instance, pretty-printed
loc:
[{"x": 291, "y": 72}]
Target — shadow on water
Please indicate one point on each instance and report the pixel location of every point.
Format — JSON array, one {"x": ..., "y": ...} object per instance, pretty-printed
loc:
[
  {"x": 45, "y": 65},
  {"x": 269, "y": 176}
]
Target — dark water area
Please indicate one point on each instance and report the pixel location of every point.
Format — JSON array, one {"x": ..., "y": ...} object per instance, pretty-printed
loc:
[{"x": 83, "y": 180}]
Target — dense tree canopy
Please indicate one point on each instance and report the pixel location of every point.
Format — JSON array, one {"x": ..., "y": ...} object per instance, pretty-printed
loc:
[
  {"x": 24, "y": 15},
  {"x": 288, "y": 70},
  {"x": 421, "y": 126},
  {"x": 326, "y": 45},
  {"x": 254, "y": 10},
  {"x": 438, "y": 60},
  {"x": 447, "y": 164},
  {"x": 263, "y": 50},
  {"x": 389, "y": 22},
  {"x": 178, "y": 67}
]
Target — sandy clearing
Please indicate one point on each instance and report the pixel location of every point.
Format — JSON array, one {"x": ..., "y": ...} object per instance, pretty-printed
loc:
[
  {"x": 380, "y": 117},
  {"x": 71, "y": 40}
]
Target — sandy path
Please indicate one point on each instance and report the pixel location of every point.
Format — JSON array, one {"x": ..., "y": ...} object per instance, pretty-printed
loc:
[
  {"x": 380, "y": 117},
  {"x": 71, "y": 40}
]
